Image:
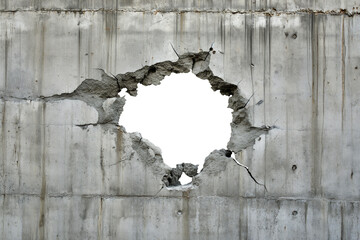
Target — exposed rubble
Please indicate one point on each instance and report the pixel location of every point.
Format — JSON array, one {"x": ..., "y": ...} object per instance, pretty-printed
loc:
[{"x": 172, "y": 178}]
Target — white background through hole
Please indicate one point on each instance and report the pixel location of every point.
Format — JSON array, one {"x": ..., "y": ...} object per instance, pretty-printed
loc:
[{"x": 183, "y": 116}]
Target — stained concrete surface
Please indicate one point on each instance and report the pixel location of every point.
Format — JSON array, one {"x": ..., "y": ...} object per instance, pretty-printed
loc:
[{"x": 66, "y": 175}]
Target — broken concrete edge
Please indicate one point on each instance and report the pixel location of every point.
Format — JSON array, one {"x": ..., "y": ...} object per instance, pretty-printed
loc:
[
  {"x": 198, "y": 63},
  {"x": 214, "y": 164},
  {"x": 172, "y": 178},
  {"x": 103, "y": 95},
  {"x": 135, "y": 147}
]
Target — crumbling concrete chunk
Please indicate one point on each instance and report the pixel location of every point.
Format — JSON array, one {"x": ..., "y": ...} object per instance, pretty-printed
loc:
[
  {"x": 172, "y": 178},
  {"x": 225, "y": 152},
  {"x": 190, "y": 170}
]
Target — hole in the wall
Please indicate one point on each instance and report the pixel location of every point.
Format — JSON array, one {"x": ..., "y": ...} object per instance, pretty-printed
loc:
[
  {"x": 103, "y": 95},
  {"x": 183, "y": 116}
]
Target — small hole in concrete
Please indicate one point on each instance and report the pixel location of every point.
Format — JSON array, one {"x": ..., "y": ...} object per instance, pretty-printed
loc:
[
  {"x": 294, "y": 213},
  {"x": 179, "y": 212},
  {"x": 294, "y": 36},
  {"x": 294, "y": 167}
]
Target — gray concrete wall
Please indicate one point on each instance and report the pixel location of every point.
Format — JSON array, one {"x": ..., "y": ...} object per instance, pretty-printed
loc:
[{"x": 65, "y": 175}]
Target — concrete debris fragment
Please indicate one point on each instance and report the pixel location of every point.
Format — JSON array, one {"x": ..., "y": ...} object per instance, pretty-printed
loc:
[
  {"x": 190, "y": 169},
  {"x": 172, "y": 178}
]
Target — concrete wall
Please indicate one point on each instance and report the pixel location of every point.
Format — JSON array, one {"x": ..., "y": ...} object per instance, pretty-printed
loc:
[{"x": 65, "y": 175}]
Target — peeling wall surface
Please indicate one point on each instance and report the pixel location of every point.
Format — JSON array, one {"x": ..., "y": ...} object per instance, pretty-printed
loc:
[{"x": 291, "y": 70}]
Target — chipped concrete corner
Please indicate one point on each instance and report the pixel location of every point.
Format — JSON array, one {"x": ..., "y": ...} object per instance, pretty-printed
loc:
[{"x": 290, "y": 70}]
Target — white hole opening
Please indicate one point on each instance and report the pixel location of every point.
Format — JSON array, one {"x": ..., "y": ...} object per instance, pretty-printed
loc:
[{"x": 183, "y": 116}]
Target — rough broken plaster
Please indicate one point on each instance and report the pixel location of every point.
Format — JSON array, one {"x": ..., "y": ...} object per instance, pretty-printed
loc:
[{"x": 103, "y": 95}]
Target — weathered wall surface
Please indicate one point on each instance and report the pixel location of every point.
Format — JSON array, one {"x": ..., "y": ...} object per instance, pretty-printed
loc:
[{"x": 66, "y": 175}]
